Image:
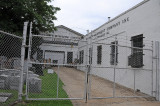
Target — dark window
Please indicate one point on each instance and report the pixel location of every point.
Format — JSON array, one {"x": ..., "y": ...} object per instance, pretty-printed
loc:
[
  {"x": 114, "y": 53},
  {"x": 39, "y": 55},
  {"x": 55, "y": 61},
  {"x": 90, "y": 55},
  {"x": 129, "y": 60},
  {"x": 99, "y": 54},
  {"x": 69, "y": 57},
  {"x": 81, "y": 55},
  {"x": 136, "y": 57}
]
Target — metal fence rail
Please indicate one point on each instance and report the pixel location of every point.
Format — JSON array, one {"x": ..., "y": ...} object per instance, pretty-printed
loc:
[
  {"x": 120, "y": 70},
  {"x": 12, "y": 53},
  {"x": 50, "y": 71},
  {"x": 110, "y": 70},
  {"x": 10, "y": 67},
  {"x": 76, "y": 70},
  {"x": 114, "y": 68}
]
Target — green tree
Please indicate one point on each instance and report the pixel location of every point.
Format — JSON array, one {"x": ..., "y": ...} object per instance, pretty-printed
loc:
[{"x": 13, "y": 14}]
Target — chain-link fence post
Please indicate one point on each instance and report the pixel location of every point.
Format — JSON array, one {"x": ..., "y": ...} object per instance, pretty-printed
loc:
[
  {"x": 152, "y": 69},
  {"x": 134, "y": 81},
  {"x": 22, "y": 60},
  {"x": 28, "y": 59},
  {"x": 57, "y": 80},
  {"x": 157, "y": 69},
  {"x": 115, "y": 58},
  {"x": 90, "y": 66},
  {"x": 87, "y": 82}
]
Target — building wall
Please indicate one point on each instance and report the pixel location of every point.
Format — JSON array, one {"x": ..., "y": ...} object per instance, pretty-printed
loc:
[
  {"x": 67, "y": 42},
  {"x": 63, "y": 34},
  {"x": 59, "y": 48},
  {"x": 69, "y": 34},
  {"x": 83, "y": 46},
  {"x": 144, "y": 19}
]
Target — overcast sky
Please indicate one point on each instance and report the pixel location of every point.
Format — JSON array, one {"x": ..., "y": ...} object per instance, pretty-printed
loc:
[{"x": 82, "y": 15}]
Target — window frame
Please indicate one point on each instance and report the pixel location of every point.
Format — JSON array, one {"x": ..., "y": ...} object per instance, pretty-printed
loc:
[
  {"x": 135, "y": 60},
  {"x": 99, "y": 54},
  {"x": 90, "y": 55},
  {"x": 114, "y": 49},
  {"x": 81, "y": 56}
]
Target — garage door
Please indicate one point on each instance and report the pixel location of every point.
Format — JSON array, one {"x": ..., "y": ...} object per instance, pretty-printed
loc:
[{"x": 56, "y": 57}]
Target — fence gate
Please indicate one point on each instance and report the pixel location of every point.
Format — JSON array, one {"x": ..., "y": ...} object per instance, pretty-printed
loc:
[
  {"x": 119, "y": 70},
  {"x": 11, "y": 66},
  {"x": 112, "y": 68},
  {"x": 52, "y": 71}
]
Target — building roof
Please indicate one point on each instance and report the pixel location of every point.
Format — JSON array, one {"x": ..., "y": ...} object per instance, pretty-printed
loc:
[
  {"x": 62, "y": 26},
  {"x": 60, "y": 42},
  {"x": 134, "y": 7}
]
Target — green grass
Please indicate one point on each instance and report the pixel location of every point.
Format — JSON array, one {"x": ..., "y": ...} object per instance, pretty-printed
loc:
[
  {"x": 49, "y": 87},
  {"x": 46, "y": 103},
  {"x": 49, "y": 90}
]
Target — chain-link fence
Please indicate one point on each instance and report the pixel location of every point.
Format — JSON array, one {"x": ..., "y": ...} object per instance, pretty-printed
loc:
[
  {"x": 120, "y": 68},
  {"x": 53, "y": 72},
  {"x": 61, "y": 69},
  {"x": 10, "y": 67}
]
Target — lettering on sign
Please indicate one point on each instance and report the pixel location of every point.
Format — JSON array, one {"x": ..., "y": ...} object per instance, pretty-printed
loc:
[
  {"x": 104, "y": 32},
  {"x": 99, "y": 34},
  {"x": 118, "y": 24}
]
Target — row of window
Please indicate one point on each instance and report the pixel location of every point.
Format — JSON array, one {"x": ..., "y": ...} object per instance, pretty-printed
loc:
[
  {"x": 113, "y": 54},
  {"x": 135, "y": 60}
]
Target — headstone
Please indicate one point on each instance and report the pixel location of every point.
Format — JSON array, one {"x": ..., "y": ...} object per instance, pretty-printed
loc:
[
  {"x": 35, "y": 85},
  {"x": 10, "y": 72},
  {"x": 3, "y": 99},
  {"x": 1, "y": 72},
  {"x": 14, "y": 82},
  {"x": 6, "y": 72},
  {"x": 33, "y": 69},
  {"x": 4, "y": 81},
  {"x": 30, "y": 72},
  {"x": 2, "y": 61},
  {"x": 9, "y": 63},
  {"x": 50, "y": 71},
  {"x": 16, "y": 63},
  {"x": 33, "y": 75},
  {"x": 2, "y": 84},
  {"x": 15, "y": 72},
  {"x": 4, "y": 94}
]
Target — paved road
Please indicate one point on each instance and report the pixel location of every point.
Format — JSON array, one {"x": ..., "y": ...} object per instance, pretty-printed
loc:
[{"x": 74, "y": 81}]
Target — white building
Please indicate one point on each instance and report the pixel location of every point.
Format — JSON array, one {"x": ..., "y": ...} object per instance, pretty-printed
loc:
[
  {"x": 130, "y": 63},
  {"x": 62, "y": 47},
  {"x": 133, "y": 31}
]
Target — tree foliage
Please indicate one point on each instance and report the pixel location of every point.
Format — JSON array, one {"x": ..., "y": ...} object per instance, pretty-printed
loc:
[
  {"x": 13, "y": 14},
  {"x": 10, "y": 46}
]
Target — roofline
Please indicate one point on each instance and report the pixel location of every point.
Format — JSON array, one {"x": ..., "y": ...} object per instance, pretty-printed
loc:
[
  {"x": 60, "y": 42},
  {"x": 62, "y": 26},
  {"x": 123, "y": 13}
]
